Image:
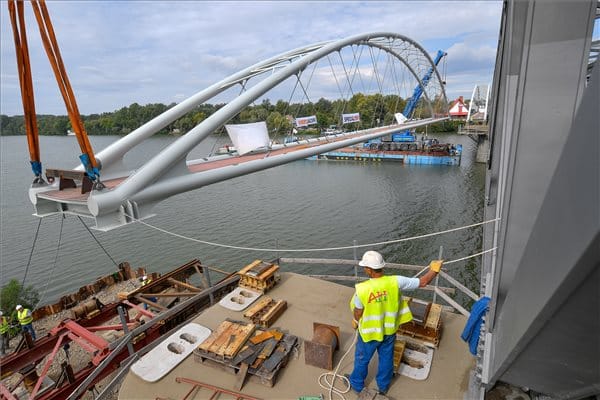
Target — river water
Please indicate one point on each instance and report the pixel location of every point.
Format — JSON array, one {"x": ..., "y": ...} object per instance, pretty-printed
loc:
[{"x": 305, "y": 204}]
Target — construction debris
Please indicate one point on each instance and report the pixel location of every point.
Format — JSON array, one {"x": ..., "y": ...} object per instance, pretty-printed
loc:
[{"x": 261, "y": 357}]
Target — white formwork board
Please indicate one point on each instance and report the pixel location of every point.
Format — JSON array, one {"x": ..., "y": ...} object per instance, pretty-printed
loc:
[
  {"x": 170, "y": 352},
  {"x": 424, "y": 358},
  {"x": 239, "y": 299}
]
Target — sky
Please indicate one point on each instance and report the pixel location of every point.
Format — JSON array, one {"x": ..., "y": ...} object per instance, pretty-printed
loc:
[{"x": 121, "y": 52}]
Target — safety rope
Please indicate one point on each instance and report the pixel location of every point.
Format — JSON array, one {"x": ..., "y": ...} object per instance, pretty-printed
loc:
[
  {"x": 97, "y": 241},
  {"x": 17, "y": 20},
  {"x": 52, "y": 50},
  {"x": 313, "y": 249},
  {"x": 330, "y": 385},
  {"x": 457, "y": 260},
  {"x": 51, "y": 276}
]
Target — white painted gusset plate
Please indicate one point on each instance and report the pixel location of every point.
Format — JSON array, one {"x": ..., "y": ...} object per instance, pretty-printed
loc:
[
  {"x": 239, "y": 299},
  {"x": 170, "y": 352}
]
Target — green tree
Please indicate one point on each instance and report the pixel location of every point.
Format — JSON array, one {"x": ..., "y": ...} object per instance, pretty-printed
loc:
[{"x": 13, "y": 293}]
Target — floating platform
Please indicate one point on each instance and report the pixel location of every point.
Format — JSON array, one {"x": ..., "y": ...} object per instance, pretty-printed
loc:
[{"x": 405, "y": 157}]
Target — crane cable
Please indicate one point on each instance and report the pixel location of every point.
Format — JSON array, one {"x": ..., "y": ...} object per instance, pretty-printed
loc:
[
  {"x": 17, "y": 19},
  {"x": 50, "y": 43},
  {"x": 52, "y": 276}
]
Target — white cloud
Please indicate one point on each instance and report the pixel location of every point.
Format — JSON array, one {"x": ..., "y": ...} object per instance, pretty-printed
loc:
[{"x": 117, "y": 53}]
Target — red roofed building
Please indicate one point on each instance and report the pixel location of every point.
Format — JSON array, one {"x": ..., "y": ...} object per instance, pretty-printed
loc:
[{"x": 458, "y": 109}]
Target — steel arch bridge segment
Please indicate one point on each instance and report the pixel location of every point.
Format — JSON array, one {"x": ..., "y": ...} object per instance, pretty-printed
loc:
[{"x": 167, "y": 170}]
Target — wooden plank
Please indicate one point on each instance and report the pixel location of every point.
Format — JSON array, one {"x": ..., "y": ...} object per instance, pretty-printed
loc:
[
  {"x": 256, "y": 308},
  {"x": 223, "y": 337},
  {"x": 275, "y": 311},
  {"x": 248, "y": 267},
  {"x": 174, "y": 294},
  {"x": 184, "y": 285},
  {"x": 213, "y": 336},
  {"x": 268, "y": 349},
  {"x": 241, "y": 376},
  {"x": 268, "y": 272},
  {"x": 433, "y": 319},
  {"x": 151, "y": 303},
  {"x": 276, "y": 334},
  {"x": 242, "y": 335},
  {"x": 261, "y": 337}
]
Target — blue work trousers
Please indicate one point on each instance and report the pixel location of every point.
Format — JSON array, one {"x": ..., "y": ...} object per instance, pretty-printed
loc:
[
  {"x": 29, "y": 328},
  {"x": 362, "y": 356}
]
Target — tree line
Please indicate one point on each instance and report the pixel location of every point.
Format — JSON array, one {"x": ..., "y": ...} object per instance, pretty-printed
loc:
[{"x": 374, "y": 110}]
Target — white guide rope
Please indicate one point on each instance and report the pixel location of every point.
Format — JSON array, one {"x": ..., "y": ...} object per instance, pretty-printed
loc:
[{"x": 314, "y": 249}]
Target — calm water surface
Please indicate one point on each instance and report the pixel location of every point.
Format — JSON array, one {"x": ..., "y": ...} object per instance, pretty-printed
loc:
[{"x": 304, "y": 204}]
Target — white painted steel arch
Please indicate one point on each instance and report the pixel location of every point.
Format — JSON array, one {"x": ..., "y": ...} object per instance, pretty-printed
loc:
[{"x": 166, "y": 173}]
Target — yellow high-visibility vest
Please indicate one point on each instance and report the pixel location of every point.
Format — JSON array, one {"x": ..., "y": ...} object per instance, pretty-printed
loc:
[
  {"x": 3, "y": 325},
  {"x": 384, "y": 309},
  {"x": 24, "y": 319}
]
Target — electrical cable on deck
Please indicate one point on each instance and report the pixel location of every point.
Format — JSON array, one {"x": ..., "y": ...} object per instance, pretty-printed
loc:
[{"x": 310, "y": 250}]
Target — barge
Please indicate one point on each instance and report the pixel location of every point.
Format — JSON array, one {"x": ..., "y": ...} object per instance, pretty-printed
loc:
[{"x": 411, "y": 154}]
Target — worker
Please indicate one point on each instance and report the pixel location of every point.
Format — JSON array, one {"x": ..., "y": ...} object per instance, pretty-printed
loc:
[
  {"x": 26, "y": 320},
  {"x": 145, "y": 280},
  {"x": 4, "y": 340},
  {"x": 378, "y": 310}
]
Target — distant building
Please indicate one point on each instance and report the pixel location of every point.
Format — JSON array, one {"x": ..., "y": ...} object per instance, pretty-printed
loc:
[{"x": 458, "y": 109}]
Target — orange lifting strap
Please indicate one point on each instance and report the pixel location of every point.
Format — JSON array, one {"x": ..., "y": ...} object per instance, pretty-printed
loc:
[
  {"x": 52, "y": 50},
  {"x": 24, "y": 72}
]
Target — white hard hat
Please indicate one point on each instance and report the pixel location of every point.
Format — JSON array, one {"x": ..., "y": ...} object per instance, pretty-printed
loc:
[
  {"x": 18, "y": 307},
  {"x": 1, "y": 313},
  {"x": 144, "y": 277},
  {"x": 372, "y": 259}
]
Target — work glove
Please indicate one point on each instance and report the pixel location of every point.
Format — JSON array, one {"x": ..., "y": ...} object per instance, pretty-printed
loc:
[
  {"x": 354, "y": 324},
  {"x": 436, "y": 265}
]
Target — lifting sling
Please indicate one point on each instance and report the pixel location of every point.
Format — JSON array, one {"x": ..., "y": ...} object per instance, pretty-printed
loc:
[
  {"x": 52, "y": 50},
  {"x": 24, "y": 72}
]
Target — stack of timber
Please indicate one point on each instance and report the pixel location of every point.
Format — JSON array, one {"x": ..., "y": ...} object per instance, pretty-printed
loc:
[
  {"x": 426, "y": 325},
  {"x": 241, "y": 349},
  {"x": 266, "y": 311},
  {"x": 259, "y": 275}
]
